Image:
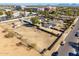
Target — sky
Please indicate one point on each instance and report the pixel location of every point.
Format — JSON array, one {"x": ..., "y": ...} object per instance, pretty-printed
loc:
[{"x": 39, "y": 1}]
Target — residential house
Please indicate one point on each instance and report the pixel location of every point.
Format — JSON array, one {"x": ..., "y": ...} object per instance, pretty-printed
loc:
[
  {"x": 16, "y": 14},
  {"x": 40, "y": 9},
  {"x": 3, "y": 17}
]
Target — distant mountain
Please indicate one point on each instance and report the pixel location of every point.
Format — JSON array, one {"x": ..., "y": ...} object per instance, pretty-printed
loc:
[{"x": 43, "y": 4}]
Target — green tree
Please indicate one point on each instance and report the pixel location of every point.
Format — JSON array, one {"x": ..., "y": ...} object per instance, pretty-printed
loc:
[
  {"x": 35, "y": 20},
  {"x": 9, "y": 14},
  {"x": 1, "y": 13},
  {"x": 45, "y": 13}
]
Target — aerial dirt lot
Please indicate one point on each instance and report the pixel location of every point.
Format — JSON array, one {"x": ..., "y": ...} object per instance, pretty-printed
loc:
[
  {"x": 30, "y": 35},
  {"x": 39, "y": 38},
  {"x": 8, "y": 47}
]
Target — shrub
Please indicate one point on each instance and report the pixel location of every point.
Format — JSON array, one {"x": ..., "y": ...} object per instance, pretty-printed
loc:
[
  {"x": 9, "y": 35},
  {"x": 19, "y": 44},
  {"x": 31, "y": 46},
  {"x": 1, "y": 13}
]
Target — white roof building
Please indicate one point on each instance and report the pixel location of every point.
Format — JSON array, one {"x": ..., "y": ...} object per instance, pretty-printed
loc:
[
  {"x": 16, "y": 14},
  {"x": 40, "y": 9},
  {"x": 3, "y": 17}
]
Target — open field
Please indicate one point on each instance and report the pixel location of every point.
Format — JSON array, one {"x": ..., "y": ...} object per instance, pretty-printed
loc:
[
  {"x": 41, "y": 39},
  {"x": 30, "y": 36},
  {"x": 8, "y": 46}
]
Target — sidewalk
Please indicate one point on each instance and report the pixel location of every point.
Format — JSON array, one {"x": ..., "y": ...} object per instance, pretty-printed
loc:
[{"x": 57, "y": 44}]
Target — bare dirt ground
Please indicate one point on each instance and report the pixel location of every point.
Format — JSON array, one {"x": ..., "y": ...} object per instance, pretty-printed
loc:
[
  {"x": 8, "y": 47},
  {"x": 31, "y": 35},
  {"x": 40, "y": 39}
]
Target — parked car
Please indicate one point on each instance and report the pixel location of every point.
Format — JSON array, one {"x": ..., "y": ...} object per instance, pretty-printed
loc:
[
  {"x": 77, "y": 34},
  {"x": 74, "y": 53},
  {"x": 54, "y": 54}
]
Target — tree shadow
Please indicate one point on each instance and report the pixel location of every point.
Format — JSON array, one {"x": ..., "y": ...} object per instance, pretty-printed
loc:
[{"x": 28, "y": 25}]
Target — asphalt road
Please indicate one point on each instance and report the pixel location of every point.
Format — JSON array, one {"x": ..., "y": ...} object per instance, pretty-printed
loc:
[{"x": 64, "y": 50}]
